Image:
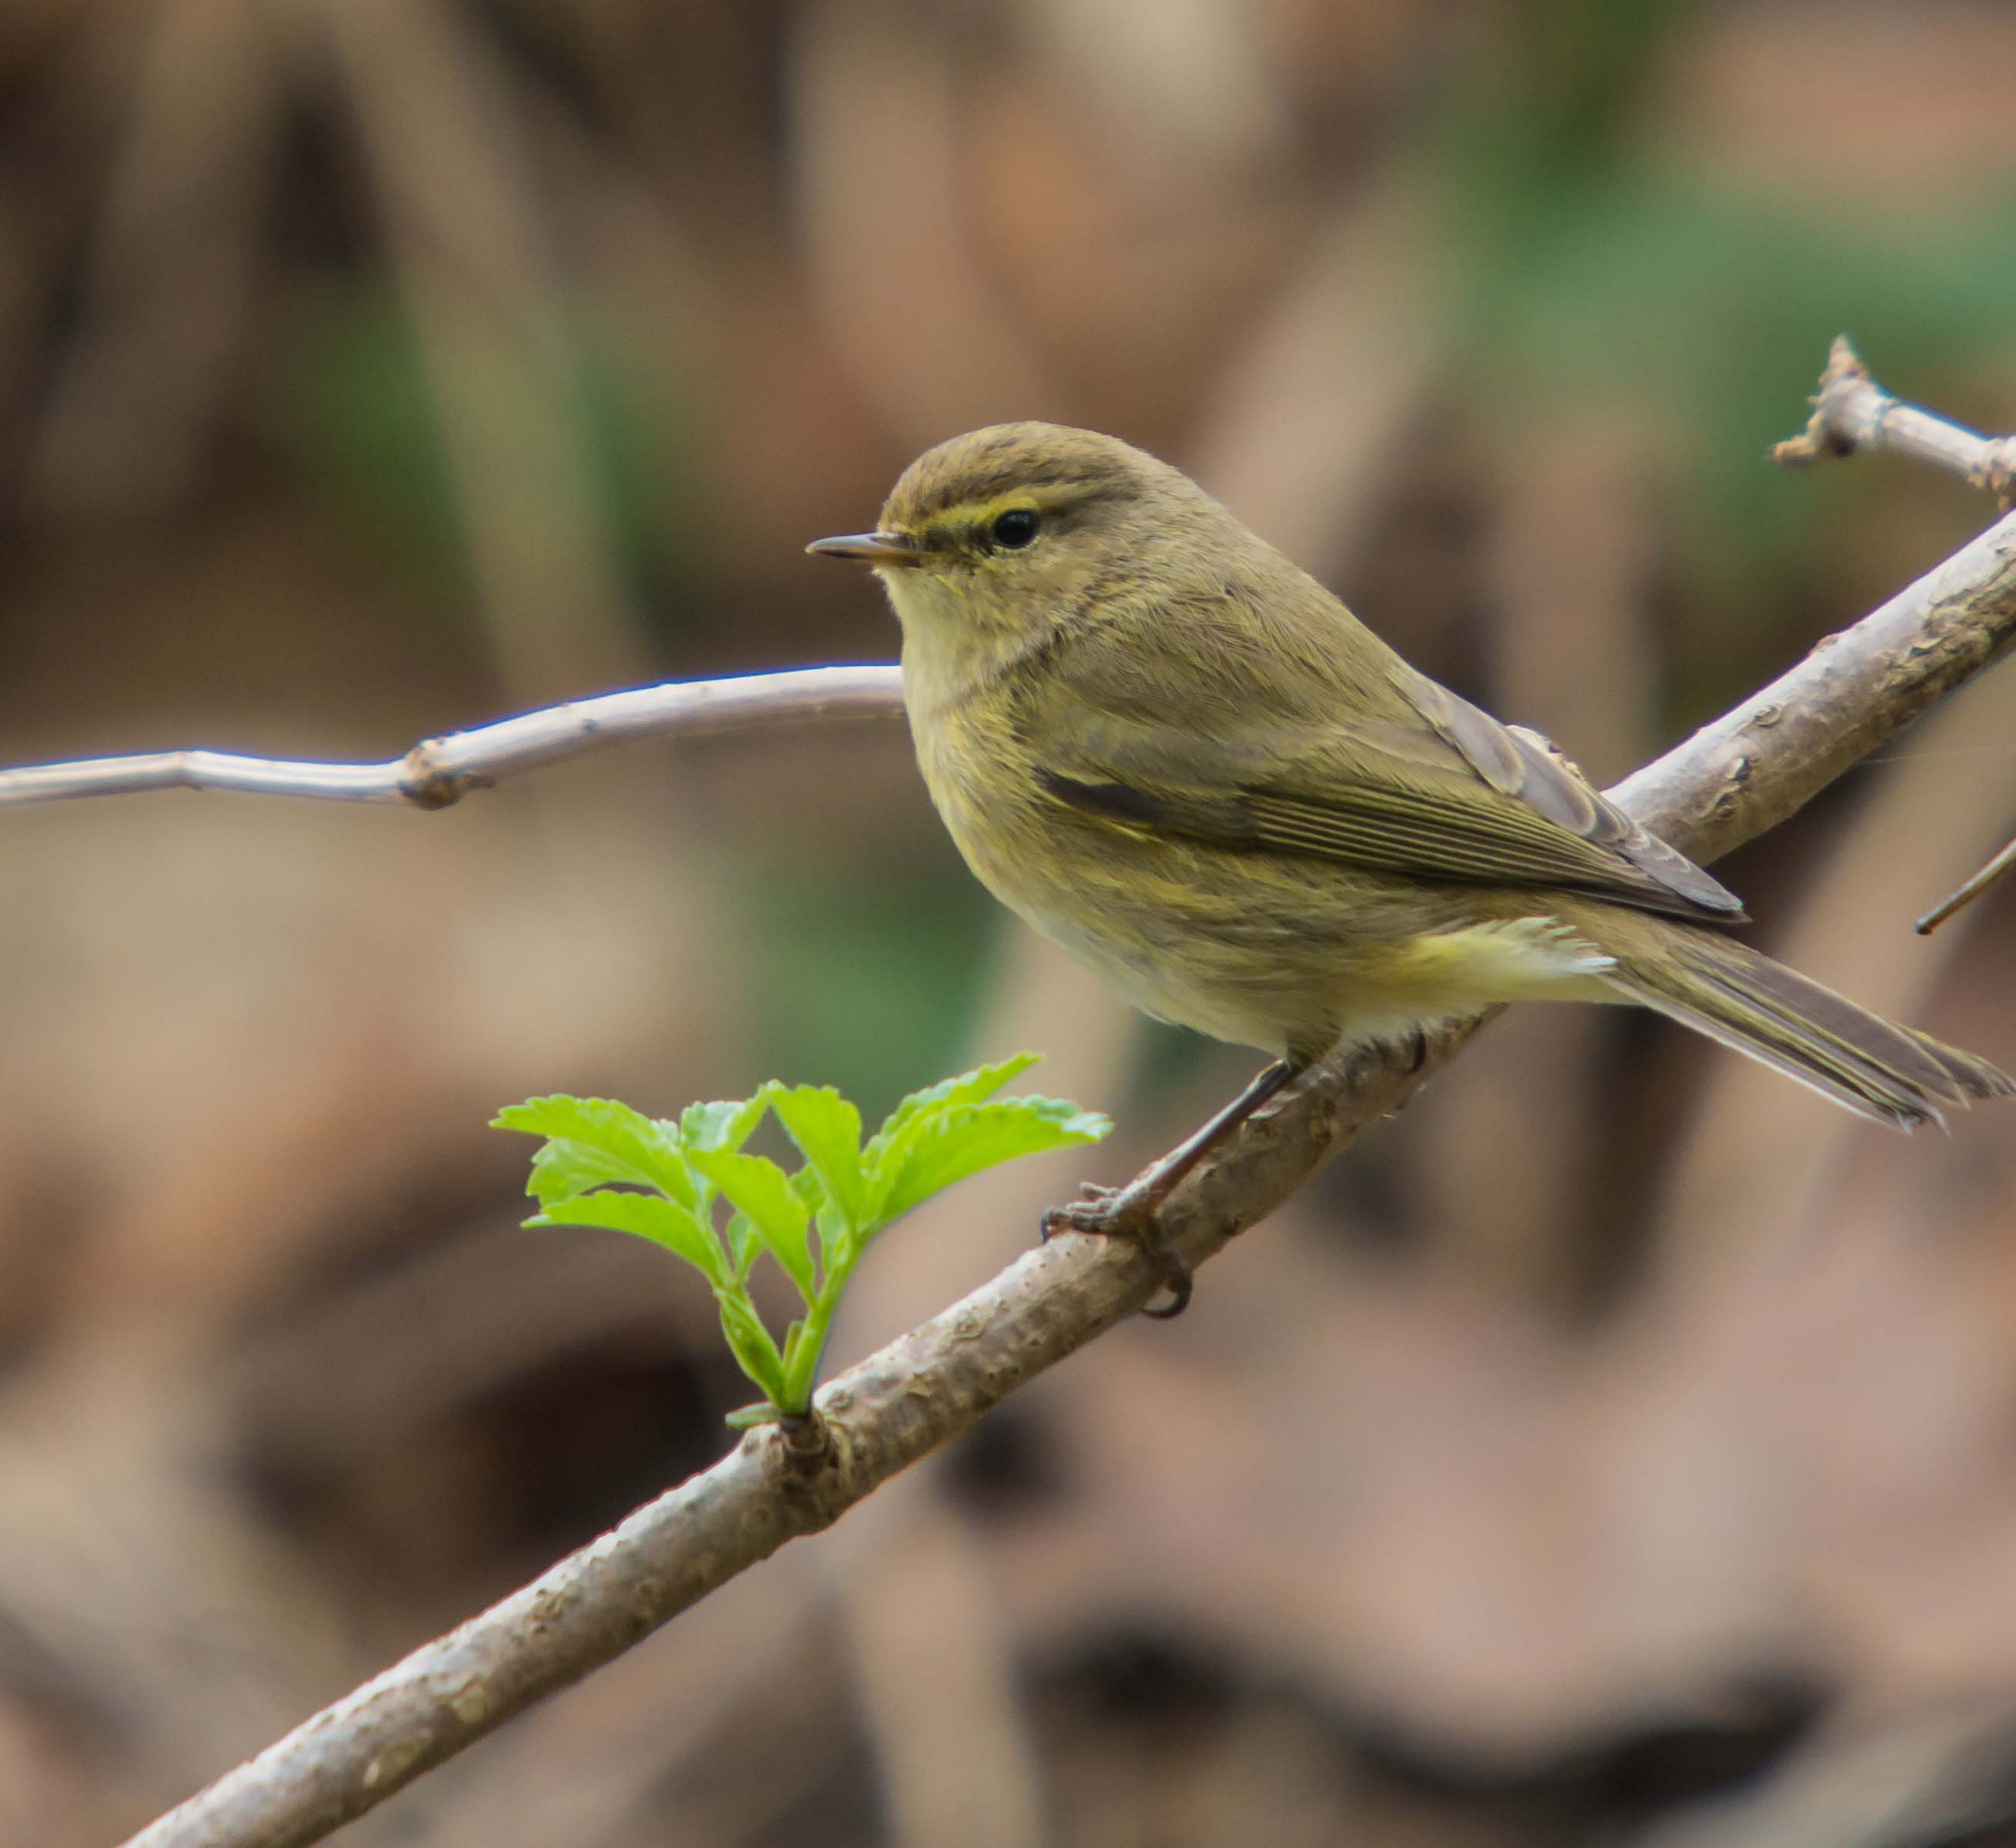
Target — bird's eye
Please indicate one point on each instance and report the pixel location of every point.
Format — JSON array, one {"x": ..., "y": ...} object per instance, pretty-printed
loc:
[{"x": 1014, "y": 528}]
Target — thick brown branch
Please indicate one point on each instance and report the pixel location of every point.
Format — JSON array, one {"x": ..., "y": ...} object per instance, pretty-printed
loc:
[{"x": 1730, "y": 781}]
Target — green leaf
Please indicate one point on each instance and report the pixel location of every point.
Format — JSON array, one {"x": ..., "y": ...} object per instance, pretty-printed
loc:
[
  {"x": 827, "y": 1129},
  {"x": 750, "y": 1342},
  {"x": 744, "y": 1248},
  {"x": 595, "y": 1141},
  {"x": 603, "y": 1163},
  {"x": 644, "y": 1215},
  {"x": 970, "y": 1087},
  {"x": 937, "y": 1150},
  {"x": 836, "y": 1248},
  {"x": 758, "y": 1190},
  {"x": 748, "y": 1417},
  {"x": 809, "y": 1188},
  {"x": 805, "y": 1347},
  {"x": 726, "y": 1125}
]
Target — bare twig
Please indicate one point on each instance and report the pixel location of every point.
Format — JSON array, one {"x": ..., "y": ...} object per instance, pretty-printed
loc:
[
  {"x": 1967, "y": 892},
  {"x": 1731, "y": 781},
  {"x": 439, "y": 771},
  {"x": 1852, "y": 413}
]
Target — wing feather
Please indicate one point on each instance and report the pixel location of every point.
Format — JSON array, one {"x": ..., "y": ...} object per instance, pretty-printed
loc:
[{"x": 1451, "y": 795}]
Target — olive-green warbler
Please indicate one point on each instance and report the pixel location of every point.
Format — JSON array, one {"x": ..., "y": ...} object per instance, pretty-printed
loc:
[{"x": 1182, "y": 758}]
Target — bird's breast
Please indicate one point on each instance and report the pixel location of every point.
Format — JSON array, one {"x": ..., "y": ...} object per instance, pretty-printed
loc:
[{"x": 1135, "y": 910}]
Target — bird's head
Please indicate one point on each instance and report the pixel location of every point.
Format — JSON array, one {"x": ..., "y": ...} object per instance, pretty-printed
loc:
[{"x": 991, "y": 540}]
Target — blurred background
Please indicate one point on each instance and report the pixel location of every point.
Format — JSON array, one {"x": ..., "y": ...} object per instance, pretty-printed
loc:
[{"x": 1621, "y": 1447}]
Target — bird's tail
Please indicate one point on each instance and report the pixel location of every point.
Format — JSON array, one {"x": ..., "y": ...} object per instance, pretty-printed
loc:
[{"x": 1871, "y": 1065}]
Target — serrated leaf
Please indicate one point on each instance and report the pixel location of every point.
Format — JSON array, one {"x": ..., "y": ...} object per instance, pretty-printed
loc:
[
  {"x": 827, "y": 1130},
  {"x": 592, "y": 1141},
  {"x": 758, "y": 1190},
  {"x": 597, "y": 1152},
  {"x": 643, "y": 1216},
  {"x": 970, "y": 1087},
  {"x": 938, "y": 1149},
  {"x": 724, "y": 1125}
]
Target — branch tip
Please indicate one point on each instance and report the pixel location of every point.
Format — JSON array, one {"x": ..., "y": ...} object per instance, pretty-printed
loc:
[
  {"x": 1853, "y": 413},
  {"x": 1844, "y": 364},
  {"x": 1966, "y": 893}
]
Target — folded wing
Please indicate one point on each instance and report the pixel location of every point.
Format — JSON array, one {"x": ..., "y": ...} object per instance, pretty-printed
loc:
[{"x": 1451, "y": 795}]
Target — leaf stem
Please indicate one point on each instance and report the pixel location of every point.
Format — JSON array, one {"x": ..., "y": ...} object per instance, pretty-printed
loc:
[{"x": 803, "y": 1373}]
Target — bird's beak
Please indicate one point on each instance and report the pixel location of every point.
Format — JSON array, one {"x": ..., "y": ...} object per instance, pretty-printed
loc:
[{"x": 871, "y": 548}]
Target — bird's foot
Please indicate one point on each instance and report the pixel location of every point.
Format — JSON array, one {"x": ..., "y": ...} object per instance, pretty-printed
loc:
[
  {"x": 1135, "y": 1211},
  {"x": 1083, "y": 1215},
  {"x": 1128, "y": 1213}
]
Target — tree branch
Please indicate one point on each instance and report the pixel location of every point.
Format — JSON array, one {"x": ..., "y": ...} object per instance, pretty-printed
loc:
[
  {"x": 1967, "y": 890},
  {"x": 1853, "y": 413},
  {"x": 1732, "y": 780},
  {"x": 439, "y": 771}
]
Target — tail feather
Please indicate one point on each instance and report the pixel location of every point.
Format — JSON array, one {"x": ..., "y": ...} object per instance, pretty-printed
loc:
[{"x": 1891, "y": 1074}]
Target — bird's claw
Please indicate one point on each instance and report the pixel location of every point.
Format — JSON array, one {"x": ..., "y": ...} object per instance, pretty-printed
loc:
[
  {"x": 1119, "y": 1212},
  {"x": 1089, "y": 1212}
]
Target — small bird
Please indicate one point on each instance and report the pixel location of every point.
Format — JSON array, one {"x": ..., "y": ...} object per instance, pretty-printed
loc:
[{"x": 1180, "y": 757}]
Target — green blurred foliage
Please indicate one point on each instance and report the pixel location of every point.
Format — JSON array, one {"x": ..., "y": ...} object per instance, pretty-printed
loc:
[
  {"x": 354, "y": 402},
  {"x": 871, "y": 970}
]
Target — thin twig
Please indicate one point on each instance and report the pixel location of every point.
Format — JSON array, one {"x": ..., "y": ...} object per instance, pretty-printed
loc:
[
  {"x": 1967, "y": 892},
  {"x": 439, "y": 771},
  {"x": 1731, "y": 781},
  {"x": 1853, "y": 413}
]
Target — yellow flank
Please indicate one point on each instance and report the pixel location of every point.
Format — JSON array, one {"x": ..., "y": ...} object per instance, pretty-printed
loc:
[{"x": 1518, "y": 958}]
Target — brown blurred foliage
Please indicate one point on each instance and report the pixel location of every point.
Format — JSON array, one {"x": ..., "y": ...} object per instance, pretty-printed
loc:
[{"x": 1607, "y": 1452}]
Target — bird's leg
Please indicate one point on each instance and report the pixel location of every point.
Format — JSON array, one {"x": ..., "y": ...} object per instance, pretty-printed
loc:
[{"x": 1134, "y": 1211}]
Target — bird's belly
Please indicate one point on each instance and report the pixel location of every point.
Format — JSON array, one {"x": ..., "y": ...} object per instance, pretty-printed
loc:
[
  {"x": 1307, "y": 980},
  {"x": 1186, "y": 990},
  {"x": 1208, "y": 953}
]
